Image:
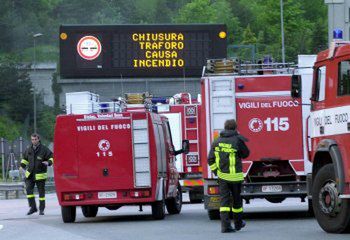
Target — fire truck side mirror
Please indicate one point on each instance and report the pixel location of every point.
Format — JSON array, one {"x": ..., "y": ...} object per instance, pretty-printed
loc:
[
  {"x": 185, "y": 146},
  {"x": 296, "y": 86}
]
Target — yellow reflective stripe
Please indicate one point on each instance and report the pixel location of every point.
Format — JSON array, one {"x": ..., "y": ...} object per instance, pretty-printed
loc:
[
  {"x": 27, "y": 174},
  {"x": 40, "y": 176},
  {"x": 42, "y": 199},
  {"x": 51, "y": 159},
  {"x": 225, "y": 209},
  {"x": 232, "y": 163},
  {"x": 231, "y": 177},
  {"x": 222, "y": 149},
  {"x": 25, "y": 162},
  {"x": 213, "y": 166},
  {"x": 234, "y": 160},
  {"x": 30, "y": 196},
  {"x": 217, "y": 160},
  {"x": 237, "y": 210},
  {"x": 228, "y": 150},
  {"x": 225, "y": 145}
]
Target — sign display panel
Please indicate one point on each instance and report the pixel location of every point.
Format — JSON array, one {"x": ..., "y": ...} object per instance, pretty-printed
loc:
[{"x": 139, "y": 50}]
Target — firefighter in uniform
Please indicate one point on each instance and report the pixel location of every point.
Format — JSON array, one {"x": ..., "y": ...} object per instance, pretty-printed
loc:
[
  {"x": 35, "y": 160},
  {"x": 225, "y": 161}
]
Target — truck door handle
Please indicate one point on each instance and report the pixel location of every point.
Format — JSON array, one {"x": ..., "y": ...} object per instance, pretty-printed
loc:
[
  {"x": 322, "y": 130},
  {"x": 105, "y": 172}
]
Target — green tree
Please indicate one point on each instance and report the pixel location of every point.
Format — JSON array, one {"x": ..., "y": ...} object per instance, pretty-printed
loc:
[
  {"x": 248, "y": 36},
  {"x": 87, "y": 12},
  {"x": 46, "y": 123},
  {"x": 206, "y": 11},
  {"x": 8, "y": 129},
  {"x": 56, "y": 89},
  {"x": 249, "y": 40},
  {"x": 16, "y": 91},
  {"x": 297, "y": 29},
  {"x": 316, "y": 12},
  {"x": 146, "y": 11}
]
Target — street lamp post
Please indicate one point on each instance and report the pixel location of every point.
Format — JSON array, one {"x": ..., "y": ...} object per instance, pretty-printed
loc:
[
  {"x": 282, "y": 33},
  {"x": 34, "y": 68},
  {"x": 34, "y": 109}
]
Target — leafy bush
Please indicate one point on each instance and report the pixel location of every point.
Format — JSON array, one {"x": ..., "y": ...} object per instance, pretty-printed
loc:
[{"x": 9, "y": 129}]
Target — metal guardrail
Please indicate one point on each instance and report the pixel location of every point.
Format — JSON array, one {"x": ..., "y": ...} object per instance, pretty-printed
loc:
[
  {"x": 19, "y": 187},
  {"x": 9, "y": 187}
]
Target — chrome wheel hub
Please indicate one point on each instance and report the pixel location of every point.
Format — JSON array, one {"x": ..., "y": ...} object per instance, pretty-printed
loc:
[{"x": 329, "y": 199}]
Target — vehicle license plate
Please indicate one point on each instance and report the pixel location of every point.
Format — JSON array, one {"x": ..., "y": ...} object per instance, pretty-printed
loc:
[
  {"x": 106, "y": 195},
  {"x": 272, "y": 188}
]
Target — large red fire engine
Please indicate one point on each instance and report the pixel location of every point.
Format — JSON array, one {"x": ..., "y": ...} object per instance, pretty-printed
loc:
[
  {"x": 329, "y": 137},
  {"x": 115, "y": 159},
  {"x": 266, "y": 114},
  {"x": 183, "y": 113}
]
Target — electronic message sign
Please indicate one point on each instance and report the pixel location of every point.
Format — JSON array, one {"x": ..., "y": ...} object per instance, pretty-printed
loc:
[{"x": 99, "y": 51}]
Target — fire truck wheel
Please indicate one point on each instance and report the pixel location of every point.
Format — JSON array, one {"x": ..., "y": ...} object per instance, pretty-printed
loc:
[
  {"x": 89, "y": 211},
  {"x": 158, "y": 210},
  {"x": 68, "y": 214},
  {"x": 275, "y": 199},
  {"x": 331, "y": 212},
  {"x": 213, "y": 214},
  {"x": 174, "y": 205}
]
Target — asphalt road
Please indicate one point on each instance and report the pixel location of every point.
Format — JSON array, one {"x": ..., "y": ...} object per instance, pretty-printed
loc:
[{"x": 285, "y": 221}]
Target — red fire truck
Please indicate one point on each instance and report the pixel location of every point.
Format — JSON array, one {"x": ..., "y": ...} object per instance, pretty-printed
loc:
[
  {"x": 183, "y": 113},
  {"x": 115, "y": 159},
  {"x": 266, "y": 114},
  {"x": 329, "y": 137}
]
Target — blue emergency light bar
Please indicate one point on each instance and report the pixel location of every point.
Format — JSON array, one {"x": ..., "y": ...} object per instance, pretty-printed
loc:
[
  {"x": 156, "y": 100},
  {"x": 337, "y": 34}
]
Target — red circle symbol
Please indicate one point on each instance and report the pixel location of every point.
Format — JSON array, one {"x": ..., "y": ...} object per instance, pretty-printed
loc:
[{"x": 89, "y": 47}]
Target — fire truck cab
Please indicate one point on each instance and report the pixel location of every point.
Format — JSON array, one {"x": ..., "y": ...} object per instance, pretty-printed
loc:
[
  {"x": 329, "y": 137},
  {"x": 112, "y": 159}
]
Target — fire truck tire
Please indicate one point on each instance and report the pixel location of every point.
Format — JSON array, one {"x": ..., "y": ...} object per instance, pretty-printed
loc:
[
  {"x": 195, "y": 196},
  {"x": 174, "y": 205},
  {"x": 68, "y": 214},
  {"x": 89, "y": 211},
  {"x": 158, "y": 210},
  {"x": 332, "y": 213},
  {"x": 213, "y": 214},
  {"x": 275, "y": 199}
]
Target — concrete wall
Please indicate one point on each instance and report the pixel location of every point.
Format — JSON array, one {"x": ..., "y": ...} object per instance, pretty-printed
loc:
[{"x": 41, "y": 77}]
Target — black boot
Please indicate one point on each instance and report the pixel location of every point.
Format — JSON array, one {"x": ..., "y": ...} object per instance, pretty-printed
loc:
[
  {"x": 239, "y": 222},
  {"x": 32, "y": 206},
  {"x": 41, "y": 207},
  {"x": 226, "y": 223}
]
